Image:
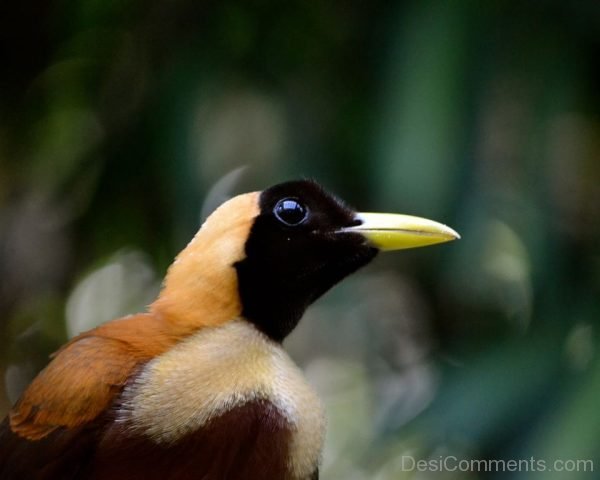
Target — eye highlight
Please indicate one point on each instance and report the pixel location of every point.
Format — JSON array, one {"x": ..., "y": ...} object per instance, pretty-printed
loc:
[{"x": 290, "y": 212}]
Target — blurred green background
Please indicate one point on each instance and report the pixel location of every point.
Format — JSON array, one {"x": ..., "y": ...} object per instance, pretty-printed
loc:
[{"x": 123, "y": 123}]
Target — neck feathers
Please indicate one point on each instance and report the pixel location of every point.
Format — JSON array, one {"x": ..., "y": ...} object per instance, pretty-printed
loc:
[{"x": 201, "y": 286}]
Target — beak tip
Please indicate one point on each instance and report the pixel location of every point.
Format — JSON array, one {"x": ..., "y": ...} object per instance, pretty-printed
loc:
[{"x": 453, "y": 234}]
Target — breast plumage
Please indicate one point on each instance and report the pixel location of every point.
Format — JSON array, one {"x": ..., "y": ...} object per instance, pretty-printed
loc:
[{"x": 235, "y": 377}]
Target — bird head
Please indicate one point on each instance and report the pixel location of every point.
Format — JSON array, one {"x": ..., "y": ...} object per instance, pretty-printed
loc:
[{"x": 266, "y": 256}]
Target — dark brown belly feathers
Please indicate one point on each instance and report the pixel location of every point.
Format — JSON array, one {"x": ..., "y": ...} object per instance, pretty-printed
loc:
[{"x": 248, "y": 442}]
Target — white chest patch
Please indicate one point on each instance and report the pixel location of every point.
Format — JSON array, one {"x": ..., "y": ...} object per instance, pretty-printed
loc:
[{"x": 215, "y": 370}]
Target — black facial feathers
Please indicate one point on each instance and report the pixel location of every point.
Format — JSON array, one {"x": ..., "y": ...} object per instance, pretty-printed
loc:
[{"x": 295, "y": 253}]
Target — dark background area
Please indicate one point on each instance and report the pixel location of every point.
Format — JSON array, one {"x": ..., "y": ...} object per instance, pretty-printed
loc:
[{"x": 122, "y": 124}]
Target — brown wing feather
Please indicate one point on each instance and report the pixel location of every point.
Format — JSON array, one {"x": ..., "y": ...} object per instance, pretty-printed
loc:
[
  {"x": 86, "y": 374},
  {"x": 74, "y": 388}
]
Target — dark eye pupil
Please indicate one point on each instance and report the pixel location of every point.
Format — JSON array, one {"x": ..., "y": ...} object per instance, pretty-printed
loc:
[{"x": 290, "y": 211}]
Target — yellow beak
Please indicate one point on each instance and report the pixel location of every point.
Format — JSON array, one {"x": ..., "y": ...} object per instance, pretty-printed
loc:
[{"x": 388, "y": 231}]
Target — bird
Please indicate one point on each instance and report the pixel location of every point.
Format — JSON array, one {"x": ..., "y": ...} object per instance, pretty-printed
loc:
[{"x": 199, "y": 386}]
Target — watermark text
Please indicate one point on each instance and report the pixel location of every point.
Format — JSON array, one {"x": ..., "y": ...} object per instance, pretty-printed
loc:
[{"x": 451, "y": 463}]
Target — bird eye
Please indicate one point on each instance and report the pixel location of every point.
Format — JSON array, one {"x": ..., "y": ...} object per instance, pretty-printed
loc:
[{"x": 290, "y": 211}]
